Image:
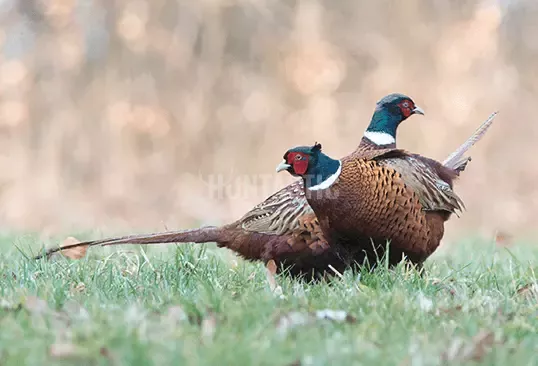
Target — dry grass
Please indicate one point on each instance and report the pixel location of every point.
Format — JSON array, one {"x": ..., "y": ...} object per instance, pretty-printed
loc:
[{"x": 116, "y": 114}]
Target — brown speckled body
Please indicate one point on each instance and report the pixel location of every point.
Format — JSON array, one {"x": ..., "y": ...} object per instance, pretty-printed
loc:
[
  {"x": 282, "y": 228},
  {"x": 371, "y": 203},
  {"x": 285, "y": 229}
]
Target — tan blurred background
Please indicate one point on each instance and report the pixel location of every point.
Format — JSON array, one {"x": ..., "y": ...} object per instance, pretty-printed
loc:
[{"x": 140, "y": 115}]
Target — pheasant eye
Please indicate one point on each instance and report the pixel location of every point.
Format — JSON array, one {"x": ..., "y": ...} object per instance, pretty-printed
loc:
[
  {"x": 405, "y": 104},
  {"x": 298, "y": 157}
]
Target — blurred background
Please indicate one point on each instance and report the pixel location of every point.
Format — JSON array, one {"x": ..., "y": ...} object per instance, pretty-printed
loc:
[{"x": 130, "y": 115}]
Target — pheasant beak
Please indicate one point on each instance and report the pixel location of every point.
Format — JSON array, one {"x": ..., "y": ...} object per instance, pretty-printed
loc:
[
  {"x": 282, "y": 166},
  {"x": 418, "y": 110}
]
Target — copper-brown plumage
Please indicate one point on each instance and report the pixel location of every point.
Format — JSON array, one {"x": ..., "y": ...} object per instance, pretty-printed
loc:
[
  {"x": 282, "y": 228},
  {"x": 380, "y": 196},
  {"x": 371, "y": 203}
]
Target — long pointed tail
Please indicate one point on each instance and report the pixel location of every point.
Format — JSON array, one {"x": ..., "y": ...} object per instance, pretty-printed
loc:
[
  {"x": 200, "y": 235},
  {"x": 456, "y": 160}
]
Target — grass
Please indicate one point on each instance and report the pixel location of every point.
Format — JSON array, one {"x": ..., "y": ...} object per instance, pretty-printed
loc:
[{"x": 189, "y": 305}]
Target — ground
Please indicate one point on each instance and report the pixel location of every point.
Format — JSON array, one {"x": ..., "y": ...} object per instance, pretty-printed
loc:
[{"x": 196, "y": 305}]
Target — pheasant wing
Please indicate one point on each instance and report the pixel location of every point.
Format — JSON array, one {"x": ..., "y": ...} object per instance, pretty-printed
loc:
[
  {"x": 280, "y": 213},
  {"x": 431, "y": 182}
]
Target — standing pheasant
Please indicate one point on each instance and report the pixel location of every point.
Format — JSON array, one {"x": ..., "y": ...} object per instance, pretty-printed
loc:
[
  {"x": 284, "y": 228},
  {"x": 374, "y": 196}
]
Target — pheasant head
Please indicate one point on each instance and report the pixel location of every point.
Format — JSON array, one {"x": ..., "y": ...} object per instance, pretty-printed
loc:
[
  {"x": 390, "y": 111},
  {"x": 317, "y": 169}
]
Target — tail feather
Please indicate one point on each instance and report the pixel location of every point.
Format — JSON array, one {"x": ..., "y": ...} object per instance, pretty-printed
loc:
[
  {"x": 456, "y": 160},
  {"x": 201, "y": 235}
]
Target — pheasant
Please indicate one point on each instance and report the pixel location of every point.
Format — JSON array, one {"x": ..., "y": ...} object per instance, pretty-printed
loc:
[
  {"x": 284, "y": 228},
  {"x": 374, "y": 196}
]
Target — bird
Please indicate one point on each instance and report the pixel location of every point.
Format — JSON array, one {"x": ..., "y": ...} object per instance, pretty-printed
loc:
[
  {"x": 283, "y": 228},
  {"x": 374, "y": 204}
]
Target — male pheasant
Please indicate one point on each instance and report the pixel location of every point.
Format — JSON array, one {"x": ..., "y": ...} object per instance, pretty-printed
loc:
[
  {"x": 284, "y": 228},
  {"x": 374, "y": 196}
]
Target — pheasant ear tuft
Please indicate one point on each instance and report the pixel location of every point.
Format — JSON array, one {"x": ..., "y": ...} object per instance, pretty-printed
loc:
[{"x": 316, "y": 147}]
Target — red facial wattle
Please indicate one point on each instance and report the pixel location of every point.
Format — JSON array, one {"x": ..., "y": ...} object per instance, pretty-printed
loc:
[
  {"x": 299, "y": 166},
  {"x": 406, "y": 108}
]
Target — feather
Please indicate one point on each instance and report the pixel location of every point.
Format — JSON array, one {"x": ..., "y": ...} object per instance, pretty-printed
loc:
[{"x": 456, "y": 160}]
